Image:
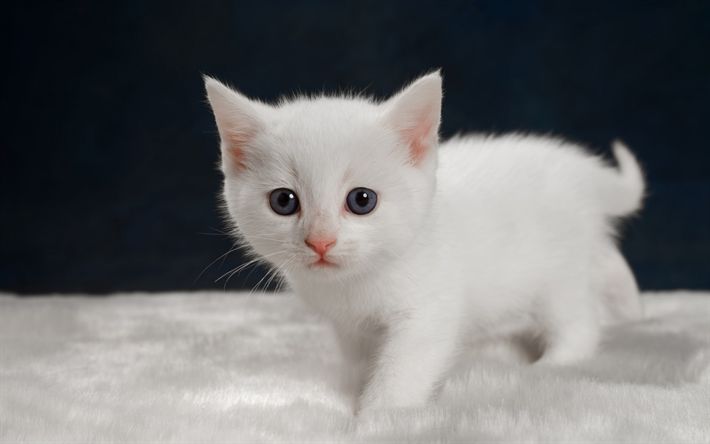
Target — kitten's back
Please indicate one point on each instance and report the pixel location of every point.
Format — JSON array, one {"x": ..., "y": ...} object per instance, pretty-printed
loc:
[{"x": 523, "y": 167}]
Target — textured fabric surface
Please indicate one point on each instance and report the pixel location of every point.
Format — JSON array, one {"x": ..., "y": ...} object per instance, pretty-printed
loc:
[{"x": 220, "y": 367}]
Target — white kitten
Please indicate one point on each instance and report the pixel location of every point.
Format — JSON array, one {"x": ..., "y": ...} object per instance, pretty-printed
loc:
[{"x": 409, "y": 248}]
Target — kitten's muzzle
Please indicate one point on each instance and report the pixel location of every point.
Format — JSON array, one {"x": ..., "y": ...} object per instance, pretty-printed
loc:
[{"x": 321, "y": 247}]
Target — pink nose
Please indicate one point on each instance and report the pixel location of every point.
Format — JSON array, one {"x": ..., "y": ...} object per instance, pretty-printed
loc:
[{"x": 320, "y": 246}]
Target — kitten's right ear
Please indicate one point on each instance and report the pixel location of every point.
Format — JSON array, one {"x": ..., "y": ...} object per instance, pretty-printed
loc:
[{"x": 238, "y": 120}]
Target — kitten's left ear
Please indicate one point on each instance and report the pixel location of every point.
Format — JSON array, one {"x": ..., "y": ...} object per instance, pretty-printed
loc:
[{"x": 415, "y": 114}]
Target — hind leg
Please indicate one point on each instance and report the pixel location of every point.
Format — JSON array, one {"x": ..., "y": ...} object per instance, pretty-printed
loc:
[
  {"x": 617, "y": 285},
  {"x": 570, "y": 328}
]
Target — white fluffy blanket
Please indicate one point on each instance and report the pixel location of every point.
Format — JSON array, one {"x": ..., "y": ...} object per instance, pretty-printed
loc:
[{"x": 219, "y": 367}]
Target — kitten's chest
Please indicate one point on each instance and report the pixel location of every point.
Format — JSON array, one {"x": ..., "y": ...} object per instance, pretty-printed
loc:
[{"x": 358, "y": 305}]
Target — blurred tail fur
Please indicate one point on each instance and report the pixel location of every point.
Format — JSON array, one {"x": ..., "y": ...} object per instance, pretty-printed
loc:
[{"x": 623, "y": 195}]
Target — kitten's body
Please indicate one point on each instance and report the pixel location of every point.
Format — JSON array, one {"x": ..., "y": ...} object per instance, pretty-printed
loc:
[{"x": 512, "y": 234}]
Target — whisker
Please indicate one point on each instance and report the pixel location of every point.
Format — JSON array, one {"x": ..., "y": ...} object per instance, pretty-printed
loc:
[
  {"x": 282, "y": 276},
  {"x": 231, "y": 250},
  {"x": 281, "y": 271},
  {"x": 273, "y": 272},
  {"x": 239, "y": 268},
  {"x": 216, "y": 232}
]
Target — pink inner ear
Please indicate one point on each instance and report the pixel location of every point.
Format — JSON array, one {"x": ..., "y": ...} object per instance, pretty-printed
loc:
[
  {"x": 419, "y": 139},
  {"x": 235, "y": 142}
]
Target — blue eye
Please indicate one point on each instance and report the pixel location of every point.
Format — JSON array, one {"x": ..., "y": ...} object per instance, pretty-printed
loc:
[
  {"x": 361, "y": 201},
  {"x": 284, "y": 201}
]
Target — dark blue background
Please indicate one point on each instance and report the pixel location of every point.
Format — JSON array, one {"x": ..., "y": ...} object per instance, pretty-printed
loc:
[{"x": 108, "y": 149}]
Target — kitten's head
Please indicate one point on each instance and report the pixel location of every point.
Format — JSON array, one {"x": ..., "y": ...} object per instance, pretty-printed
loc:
[{"x": 329, "y": 187}]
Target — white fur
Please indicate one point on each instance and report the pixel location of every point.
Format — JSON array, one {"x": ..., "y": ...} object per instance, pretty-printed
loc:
[{"x": 508, "y": 235}]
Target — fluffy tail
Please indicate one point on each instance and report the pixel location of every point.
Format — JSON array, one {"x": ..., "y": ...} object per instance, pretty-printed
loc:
[{"x": 624, "y": 194}]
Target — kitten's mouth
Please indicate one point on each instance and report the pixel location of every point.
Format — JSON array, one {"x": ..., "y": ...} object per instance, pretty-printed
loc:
[{"x": 322, "y": 263}]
